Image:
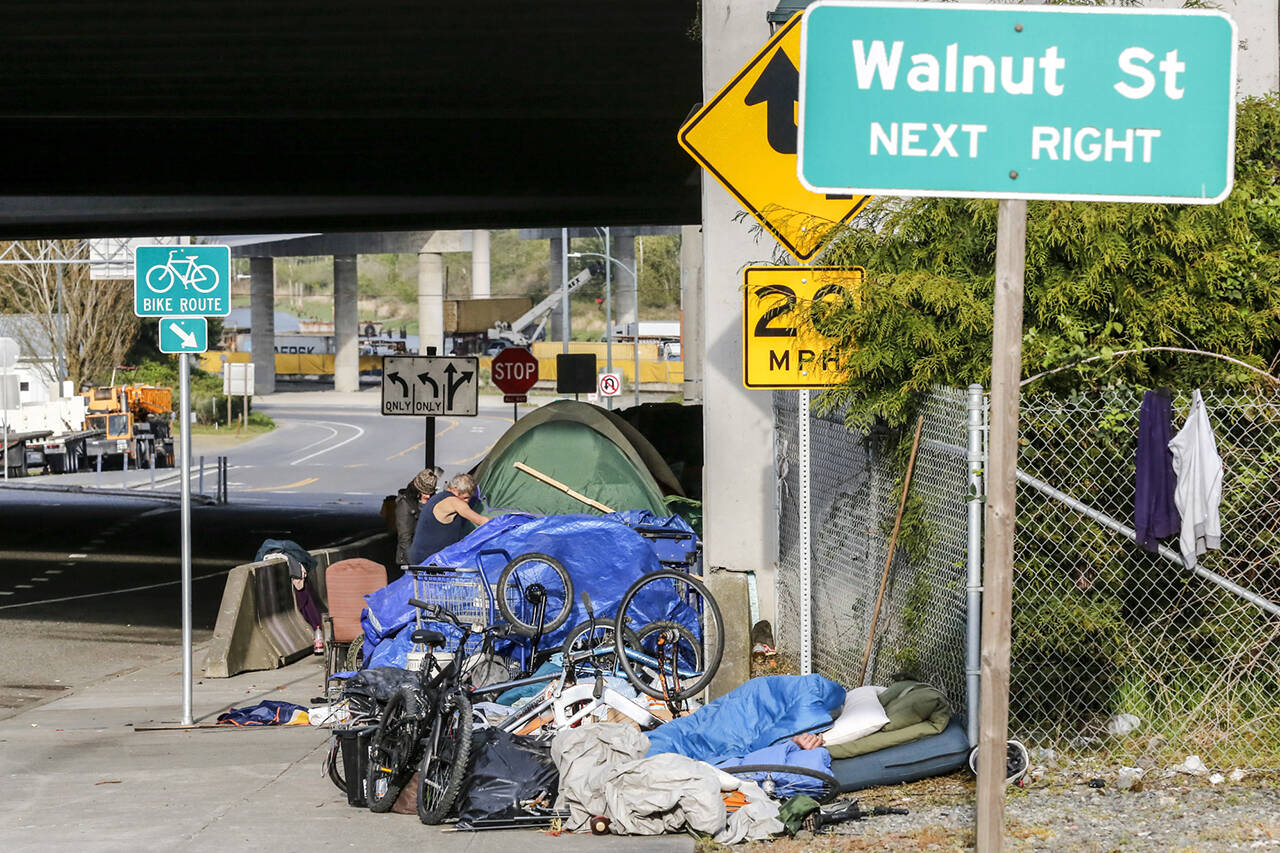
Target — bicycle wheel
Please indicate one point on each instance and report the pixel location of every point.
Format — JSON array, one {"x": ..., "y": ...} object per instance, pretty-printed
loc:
[
  {"x": 678, "y": 646},
  {"x": 392, "y": 748},
  {"x": 157, "y": 277},
  {"x": 333, "y": 766},
  {"x": 596, "y": 636},
  {"x": 445, "y": 757},
  {"x": 670, "y": 594},
  {"x": 204, "y": 278},
  {"x": 519, "y": 586},
  {"x": 778, "y": 780}
]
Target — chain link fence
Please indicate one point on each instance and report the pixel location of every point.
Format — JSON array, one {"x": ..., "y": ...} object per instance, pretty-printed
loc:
[
  {"x": 854, "y": 497},
  {"x": 1116, "y": 651},
  {"x": 1103, "y": 628}
]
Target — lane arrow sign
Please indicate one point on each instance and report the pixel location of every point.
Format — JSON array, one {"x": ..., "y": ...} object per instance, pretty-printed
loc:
[
  {"x": 463, "y": 377},
  {"x": 398, "y": 379},
  {"x": 188, "y": 338},
  {"x": 425, "y": 379}
]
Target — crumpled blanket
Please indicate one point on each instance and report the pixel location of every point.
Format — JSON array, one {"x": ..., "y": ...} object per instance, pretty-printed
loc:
[{"x": 603, "y": 771}]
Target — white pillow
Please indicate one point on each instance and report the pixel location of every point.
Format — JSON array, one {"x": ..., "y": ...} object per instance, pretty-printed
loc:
[{"x": 862, "y": 714}]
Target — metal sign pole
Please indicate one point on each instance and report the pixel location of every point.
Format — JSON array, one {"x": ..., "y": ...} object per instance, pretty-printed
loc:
[
  {"x": 997, "y": 580},
  {"x": 806, "y": 562},
  {"x": 184, "y": 413}
]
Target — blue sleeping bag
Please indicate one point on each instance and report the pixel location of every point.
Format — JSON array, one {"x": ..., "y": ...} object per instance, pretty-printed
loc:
[
  {"x": 759, "y": 713},
  {"x": 786, "y": 754}
]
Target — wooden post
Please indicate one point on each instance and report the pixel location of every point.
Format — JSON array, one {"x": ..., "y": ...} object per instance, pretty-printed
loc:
[{"x": 997, "y": 575}]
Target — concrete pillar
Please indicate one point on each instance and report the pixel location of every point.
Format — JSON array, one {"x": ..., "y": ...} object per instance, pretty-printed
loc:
[
  {"x": 692, "y": 344},
  {"x": 555, "y": 323},
  {"x": 262, "y": 323},
  {"x": 346, "y": 323},
  {"x": 740, "y": 523},
  {"x": 624, "y": 286},
  {"x": 430, "y": 302},
  {"x": 479, "y": 264}
]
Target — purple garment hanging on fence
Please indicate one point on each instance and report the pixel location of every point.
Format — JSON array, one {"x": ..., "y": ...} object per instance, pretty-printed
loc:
[{"x": 1155, "y": 515}]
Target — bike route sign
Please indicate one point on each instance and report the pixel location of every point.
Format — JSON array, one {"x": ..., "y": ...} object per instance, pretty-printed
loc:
[
  {"x": 430, "y": 385},
  {"x": 1071, "y": 103},
  {"x": 192, "y": 281},
  {"x": 184, "y": 334}
]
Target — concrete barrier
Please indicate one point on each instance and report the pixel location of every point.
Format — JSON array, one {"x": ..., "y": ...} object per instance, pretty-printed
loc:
[{"x": 259, "y": 626}]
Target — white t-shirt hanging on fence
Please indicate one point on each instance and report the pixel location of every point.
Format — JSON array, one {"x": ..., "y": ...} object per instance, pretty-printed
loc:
[{"x": 1198, "y": 467}]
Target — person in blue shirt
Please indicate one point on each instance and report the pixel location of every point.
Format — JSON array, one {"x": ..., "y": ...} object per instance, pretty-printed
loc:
[{"x": 443, "y": 519}]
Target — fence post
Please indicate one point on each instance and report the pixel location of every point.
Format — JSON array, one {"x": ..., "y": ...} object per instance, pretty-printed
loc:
[
  {"x": 806, "y": 552},
  {"x": 973, "y": 622}
]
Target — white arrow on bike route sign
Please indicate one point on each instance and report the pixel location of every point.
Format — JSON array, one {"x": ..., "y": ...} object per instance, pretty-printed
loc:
[
  {"x": 184, "y": 334},
  {"x": 190, "y": 281}
]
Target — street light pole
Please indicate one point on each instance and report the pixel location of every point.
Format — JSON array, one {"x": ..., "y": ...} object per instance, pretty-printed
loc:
[{"x": 635, "y": 285}]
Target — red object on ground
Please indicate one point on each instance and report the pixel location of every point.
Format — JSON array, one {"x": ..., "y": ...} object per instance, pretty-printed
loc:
[{"x": 514, "y": 370}]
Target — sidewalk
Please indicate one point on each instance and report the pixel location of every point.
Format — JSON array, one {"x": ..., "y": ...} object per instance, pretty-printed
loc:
[{"x": 76, "y": 775}]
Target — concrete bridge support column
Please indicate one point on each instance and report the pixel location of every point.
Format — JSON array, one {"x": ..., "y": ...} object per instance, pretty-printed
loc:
[
  {"x": 346, "y": 323},
  {"x": 556, "y": 322},
  {"x": 624, "y": 286},
  {"x": 430, "y": 302},
  {"x": 479, "y": 264},
  {"x": 691, "y": 284},
  {"x": 262, "y": 322}
]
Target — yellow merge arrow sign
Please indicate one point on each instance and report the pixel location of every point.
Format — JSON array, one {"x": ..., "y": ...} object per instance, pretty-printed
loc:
[{"x": 746, "y": 137}]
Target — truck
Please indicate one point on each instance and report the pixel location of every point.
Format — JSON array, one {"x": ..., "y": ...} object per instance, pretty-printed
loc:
[
  {"x": 129, "y": 423},
  {"x": 50, "y": 426},
  {"x": 527, "y": 328}
]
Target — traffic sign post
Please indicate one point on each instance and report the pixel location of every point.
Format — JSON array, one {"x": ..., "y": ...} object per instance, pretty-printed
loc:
[
  {"x": 746, "y": 138},
  {"x": 514, "y": 371},
  {"x": 420, "y": 385},
  {"x": 184, "y": 334},
  {"x": 1017, "y": 102},
  {"x": 779, "y": 351},
  {"x": 1014, "y": 103},
  {"x": 183, "y": 285},
  {"x": 610, "y": 384}
]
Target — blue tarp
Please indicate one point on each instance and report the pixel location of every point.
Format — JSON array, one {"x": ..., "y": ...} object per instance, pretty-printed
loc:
[
  {"x": 603, "y": 556},
  {"x": 759, "y": 713}
]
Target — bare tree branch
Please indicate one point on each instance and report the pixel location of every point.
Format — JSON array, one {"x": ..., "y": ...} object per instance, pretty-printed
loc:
[{"x": 97, "y": 321}]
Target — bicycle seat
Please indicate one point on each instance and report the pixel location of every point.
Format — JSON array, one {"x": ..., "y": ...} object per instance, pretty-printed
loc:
[{"x": 427, "y": 637}]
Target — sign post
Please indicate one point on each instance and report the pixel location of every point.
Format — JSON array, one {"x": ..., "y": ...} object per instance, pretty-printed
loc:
[
  {"x": 183, "y": 285},
  {"x": 1014, "y": 103},
  {"x": 514, "y": 371}
]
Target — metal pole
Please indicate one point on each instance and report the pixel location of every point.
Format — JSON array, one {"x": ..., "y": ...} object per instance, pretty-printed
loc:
[
  {"x": 184, "y": 409},
  {"x": 60, "y": 363},
  {"x": 608, "y": 307},
  {"x": 201, "y": 487},
  {"x": 635, "y": 285},
  {"x": 564, "y": 289},
  {"x": 99, "y": 477},
  {"x": 997, "y": 597},
  {"x": 429, "y": 433},
  {"x": 806, "y": 551},
  {"x": 973, "y": 624},
  {"x": 151, "y": 460}
]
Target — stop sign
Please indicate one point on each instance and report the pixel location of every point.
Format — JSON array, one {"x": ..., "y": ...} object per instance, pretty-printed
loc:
[{"x": 514, "y": 370}]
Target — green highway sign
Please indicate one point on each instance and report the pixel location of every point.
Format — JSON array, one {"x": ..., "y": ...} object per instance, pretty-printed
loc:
[
  {"x": 182, "y": 280},
  {"x": 184, "y": 334},
  {"x": 1089, "y": 104}
]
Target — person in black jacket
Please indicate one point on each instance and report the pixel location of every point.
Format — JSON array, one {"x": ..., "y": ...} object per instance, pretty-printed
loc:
[{"x": 409, "y": 501}]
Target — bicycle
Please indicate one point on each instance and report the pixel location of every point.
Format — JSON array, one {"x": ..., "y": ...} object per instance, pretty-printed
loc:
[
  {"x": 683, "y": 653},
  {"x": 194, "y": 278}
]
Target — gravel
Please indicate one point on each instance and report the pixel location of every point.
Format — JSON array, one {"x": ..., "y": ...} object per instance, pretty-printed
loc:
[{"x": 1060, "y": 812}]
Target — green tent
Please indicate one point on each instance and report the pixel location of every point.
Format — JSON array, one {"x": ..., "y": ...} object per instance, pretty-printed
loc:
[{"x": 585, "y": 447}]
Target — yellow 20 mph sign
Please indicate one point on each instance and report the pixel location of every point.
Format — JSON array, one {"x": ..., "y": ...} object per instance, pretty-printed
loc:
[{"x": 778, "y": 350}]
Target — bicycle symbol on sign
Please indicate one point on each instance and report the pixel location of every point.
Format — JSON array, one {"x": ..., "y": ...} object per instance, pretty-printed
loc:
[{"x": 203, "y": 278}]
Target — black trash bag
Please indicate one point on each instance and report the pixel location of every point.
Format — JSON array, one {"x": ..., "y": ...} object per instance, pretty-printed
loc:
[
  {"x": 379, "y": 682},
  {"x": 511, "y": 776}
]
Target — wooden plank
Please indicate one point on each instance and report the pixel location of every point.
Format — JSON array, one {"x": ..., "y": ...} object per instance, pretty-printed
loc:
[{"x": 553, "y": 482}]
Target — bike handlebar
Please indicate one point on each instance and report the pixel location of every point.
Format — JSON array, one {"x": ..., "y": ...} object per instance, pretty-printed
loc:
[{"x": 437, "y": 611}]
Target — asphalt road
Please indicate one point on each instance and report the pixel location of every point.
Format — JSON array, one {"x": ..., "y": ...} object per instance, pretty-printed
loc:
[{"x": 89, "y": 580}]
